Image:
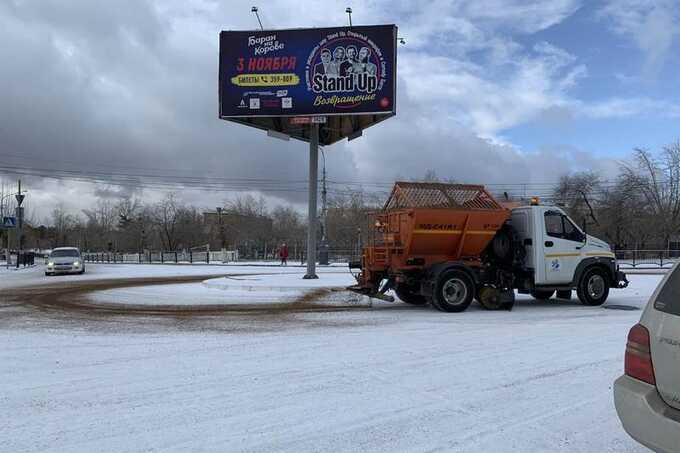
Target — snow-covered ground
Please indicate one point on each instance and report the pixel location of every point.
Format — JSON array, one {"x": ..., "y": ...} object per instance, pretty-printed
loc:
[
  {"x": 36, "y": 274},
  {"x": 391, "y": 377},
  {"x": 236, "y": 290}
]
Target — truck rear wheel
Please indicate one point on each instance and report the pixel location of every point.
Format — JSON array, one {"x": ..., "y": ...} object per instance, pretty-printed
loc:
[
  {"x": 542, "y": 294},
  {"x": 409, "y": 295},
  {"x": 593, "y": 289},
  {"x": 454, "y": 292}
]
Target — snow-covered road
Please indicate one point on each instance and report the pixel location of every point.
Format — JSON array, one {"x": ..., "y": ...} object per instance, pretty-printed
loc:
[{"x": 389, "y": 378}]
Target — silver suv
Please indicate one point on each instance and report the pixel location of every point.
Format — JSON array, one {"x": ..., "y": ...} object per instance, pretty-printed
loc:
[{"x": 647, "y": 396}]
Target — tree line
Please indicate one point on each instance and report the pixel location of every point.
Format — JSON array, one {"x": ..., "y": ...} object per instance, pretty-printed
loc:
[
  {"x": 245, "y": 224},
  {"x": 638, "y": 209}
]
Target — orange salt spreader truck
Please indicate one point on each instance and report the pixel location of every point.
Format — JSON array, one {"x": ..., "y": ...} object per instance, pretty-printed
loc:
[{"x": 447, "y": 244}]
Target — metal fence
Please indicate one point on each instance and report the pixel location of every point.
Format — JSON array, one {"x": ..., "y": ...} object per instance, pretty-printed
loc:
[
  {"x": 639, "y": 259},
  {"x": 336, "y": 255},
  {"x": 148, "y": 257},
  {"x": 647, "y": 258}
]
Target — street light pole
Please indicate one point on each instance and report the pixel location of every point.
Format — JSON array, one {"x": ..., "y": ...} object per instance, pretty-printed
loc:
[
  {"x": 219, "y": 221},
  {"x": 323, "y": 247},
  {"x": 20, "y": 223},
  {"x": 348, "y": 10},
  {"x": 255, "y": 10}
]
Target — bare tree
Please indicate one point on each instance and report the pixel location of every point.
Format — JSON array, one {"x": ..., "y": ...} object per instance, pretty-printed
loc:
[
  {"x": 165, "y": 217},
  {"x": 63, "y": 223},
  {"x": 657, "y": 179},
  {"x": 247, "y": 205},
  {"x": 577, "y": 193},
  {"x": 129, "y": 225},
  {"x": 288, "y": 226},
  {"x": 624, "y": 217},
  {"x": 348, "y": 218}
]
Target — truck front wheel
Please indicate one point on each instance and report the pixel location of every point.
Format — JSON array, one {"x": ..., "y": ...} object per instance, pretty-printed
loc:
[
  {"x": 454, "y": 292},
  {"x": 593, "y": 289},
  {"x": 409, "y": 295}
]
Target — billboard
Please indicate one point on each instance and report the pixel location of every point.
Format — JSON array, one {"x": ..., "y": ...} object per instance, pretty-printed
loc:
[{"x": 308, "y": 72}]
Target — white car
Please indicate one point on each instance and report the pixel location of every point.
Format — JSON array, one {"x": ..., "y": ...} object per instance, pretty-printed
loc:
[
  {"x": 647, "y": 396},
  {"x": 65, "y": 260}
]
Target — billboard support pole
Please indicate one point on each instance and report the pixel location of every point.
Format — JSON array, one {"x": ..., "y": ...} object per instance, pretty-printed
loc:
[{"x": 313, "y": 187}]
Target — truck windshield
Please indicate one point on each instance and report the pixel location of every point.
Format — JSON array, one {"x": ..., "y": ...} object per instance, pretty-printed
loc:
[
  {"x": 668, "y": 300},
  {"x": 64, "y": 253}
]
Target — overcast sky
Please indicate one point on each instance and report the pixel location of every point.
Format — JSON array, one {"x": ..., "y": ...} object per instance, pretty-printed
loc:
[{"x": 490, "y": 91}]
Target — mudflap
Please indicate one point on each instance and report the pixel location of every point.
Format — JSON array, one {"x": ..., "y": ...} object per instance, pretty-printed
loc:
[{"x": 621, "y": 280}]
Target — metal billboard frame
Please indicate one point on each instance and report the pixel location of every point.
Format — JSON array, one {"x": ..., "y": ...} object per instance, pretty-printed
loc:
[{"x": 345, "y": 125}]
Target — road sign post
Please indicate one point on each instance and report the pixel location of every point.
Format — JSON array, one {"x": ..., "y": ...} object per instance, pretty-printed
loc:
[
  {"x": 8, "y": 223},
  {"x": 19, "y": 227}
]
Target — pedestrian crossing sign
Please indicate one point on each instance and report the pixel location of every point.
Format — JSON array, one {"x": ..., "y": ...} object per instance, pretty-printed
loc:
[{"x": 8, "y": 223}]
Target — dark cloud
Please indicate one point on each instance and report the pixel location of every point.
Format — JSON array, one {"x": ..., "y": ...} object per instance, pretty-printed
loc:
[{"x": 131, "y": 86}]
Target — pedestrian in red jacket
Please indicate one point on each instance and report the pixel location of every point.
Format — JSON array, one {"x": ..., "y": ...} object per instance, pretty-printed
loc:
[{"x": 283, "y": 254}]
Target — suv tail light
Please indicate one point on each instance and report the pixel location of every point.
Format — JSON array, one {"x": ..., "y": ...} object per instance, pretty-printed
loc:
[{"x": 638, "y": 362}]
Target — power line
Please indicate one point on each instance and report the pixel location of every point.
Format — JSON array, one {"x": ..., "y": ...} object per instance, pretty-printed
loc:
[{"x": 160, "y": 179}]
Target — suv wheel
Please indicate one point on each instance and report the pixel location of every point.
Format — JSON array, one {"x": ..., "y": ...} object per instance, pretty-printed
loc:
[{"x": 593, "y": 289}]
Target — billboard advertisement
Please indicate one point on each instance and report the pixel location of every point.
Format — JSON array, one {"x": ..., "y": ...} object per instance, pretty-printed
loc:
[{"x": 302, "y": 72}]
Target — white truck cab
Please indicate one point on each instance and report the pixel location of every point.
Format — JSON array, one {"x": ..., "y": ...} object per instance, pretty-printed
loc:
[{"x": 559, "y": 256}]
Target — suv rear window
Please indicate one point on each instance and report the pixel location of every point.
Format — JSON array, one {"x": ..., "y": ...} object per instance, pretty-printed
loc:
[{"x": 668, "y": 300}]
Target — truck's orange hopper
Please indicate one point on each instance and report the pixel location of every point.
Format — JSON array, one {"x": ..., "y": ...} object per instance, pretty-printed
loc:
[{"x": 423, "y": 224}]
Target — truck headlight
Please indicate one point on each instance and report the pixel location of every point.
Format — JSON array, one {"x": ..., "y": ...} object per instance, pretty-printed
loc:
[
  {"x": 50, "y": 264},
  {"x": 76, "y": 263}
]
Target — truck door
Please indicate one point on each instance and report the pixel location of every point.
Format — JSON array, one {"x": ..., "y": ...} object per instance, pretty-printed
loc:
[
  {"x": 562, "y": 243},
  {"x": 524, "y": 228}
]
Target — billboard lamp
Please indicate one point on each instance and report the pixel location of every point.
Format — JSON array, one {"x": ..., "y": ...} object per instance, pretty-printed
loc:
[
  {"x": 348, "y": 10},
  {"x": 254, "y": 10}
]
